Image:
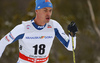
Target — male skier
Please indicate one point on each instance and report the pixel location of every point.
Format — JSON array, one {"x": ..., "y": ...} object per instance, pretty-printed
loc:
[{"x": 36, "y": 36}]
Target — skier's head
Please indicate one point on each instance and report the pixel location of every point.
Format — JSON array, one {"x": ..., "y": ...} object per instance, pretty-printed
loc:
[
  {"x": 43, "y": 11},
  {"x": 42, "y": 4}
]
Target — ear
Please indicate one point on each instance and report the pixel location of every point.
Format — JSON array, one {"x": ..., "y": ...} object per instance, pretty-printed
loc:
[{"x": 36, "y": 11}]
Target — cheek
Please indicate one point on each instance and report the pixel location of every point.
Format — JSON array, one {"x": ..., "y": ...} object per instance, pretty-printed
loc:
[
  {"x": 41, "y": 15},
  {"x": 51, "y": 13}
]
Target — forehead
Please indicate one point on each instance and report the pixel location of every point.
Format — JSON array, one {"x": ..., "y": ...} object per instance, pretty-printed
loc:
[
  {"x": 47, "y": 0},
  {"x": 47, "y": 8}
]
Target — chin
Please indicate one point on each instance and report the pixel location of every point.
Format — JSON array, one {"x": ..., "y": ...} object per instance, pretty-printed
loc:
[{"x": 47, "y": 21}]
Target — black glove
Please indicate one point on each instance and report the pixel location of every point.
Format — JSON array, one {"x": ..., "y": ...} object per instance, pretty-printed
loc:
[{"x": 72, "y": 28}]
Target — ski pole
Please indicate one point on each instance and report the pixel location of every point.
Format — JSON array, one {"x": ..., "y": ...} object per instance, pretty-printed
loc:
[{"x": 73, "y": 50}]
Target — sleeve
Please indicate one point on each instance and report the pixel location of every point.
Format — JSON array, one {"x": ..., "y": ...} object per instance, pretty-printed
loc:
[
  {"x": 15, "y": 34},
  {"x": 63, "y": 38}
]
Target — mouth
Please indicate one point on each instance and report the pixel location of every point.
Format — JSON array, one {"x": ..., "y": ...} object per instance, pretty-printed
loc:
[{"x": 48, "y": 18}]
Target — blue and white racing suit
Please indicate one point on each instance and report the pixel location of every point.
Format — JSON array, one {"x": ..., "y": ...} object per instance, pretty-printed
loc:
[{"x": 35, "y": 41}]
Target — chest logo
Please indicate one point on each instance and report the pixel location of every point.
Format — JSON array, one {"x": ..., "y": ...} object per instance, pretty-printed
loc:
[
  {"x": 40, "y": 37},
  {"x": 49, "y": 26},
  {"x": 28, "y": 26}
]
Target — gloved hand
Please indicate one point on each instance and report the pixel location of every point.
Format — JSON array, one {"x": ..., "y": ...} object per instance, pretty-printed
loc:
[{"x": 72, "y": 28}]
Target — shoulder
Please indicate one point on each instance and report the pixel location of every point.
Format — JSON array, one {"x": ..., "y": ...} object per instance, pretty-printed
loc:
[
  {"x": 19, "y": 27},
  {"x": 26, "y": 22},
  {"x": 22, "y": 26},
  {"x": 17, "y": 30},
  {"x": 55, "y": 23}
]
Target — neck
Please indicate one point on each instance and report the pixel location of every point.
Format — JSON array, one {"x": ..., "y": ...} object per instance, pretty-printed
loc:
[{"x": 39, "y": 22}]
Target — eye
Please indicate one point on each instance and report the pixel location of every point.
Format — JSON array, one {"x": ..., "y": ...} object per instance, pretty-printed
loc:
[
  {"x": 50, "y": 10},
  {"x": 45, "y": 10}
]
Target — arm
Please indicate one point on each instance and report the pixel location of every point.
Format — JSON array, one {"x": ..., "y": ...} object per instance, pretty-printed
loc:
[
  {"x": 64, "y": 39},
  {"x": 12, "y": 36}
]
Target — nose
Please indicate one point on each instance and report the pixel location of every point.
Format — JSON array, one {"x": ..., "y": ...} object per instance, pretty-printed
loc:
[{"x": 49, "y": 13}]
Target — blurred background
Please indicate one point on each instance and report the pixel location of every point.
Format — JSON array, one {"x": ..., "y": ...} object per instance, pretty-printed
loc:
[{"x": 85, "y": 13}]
